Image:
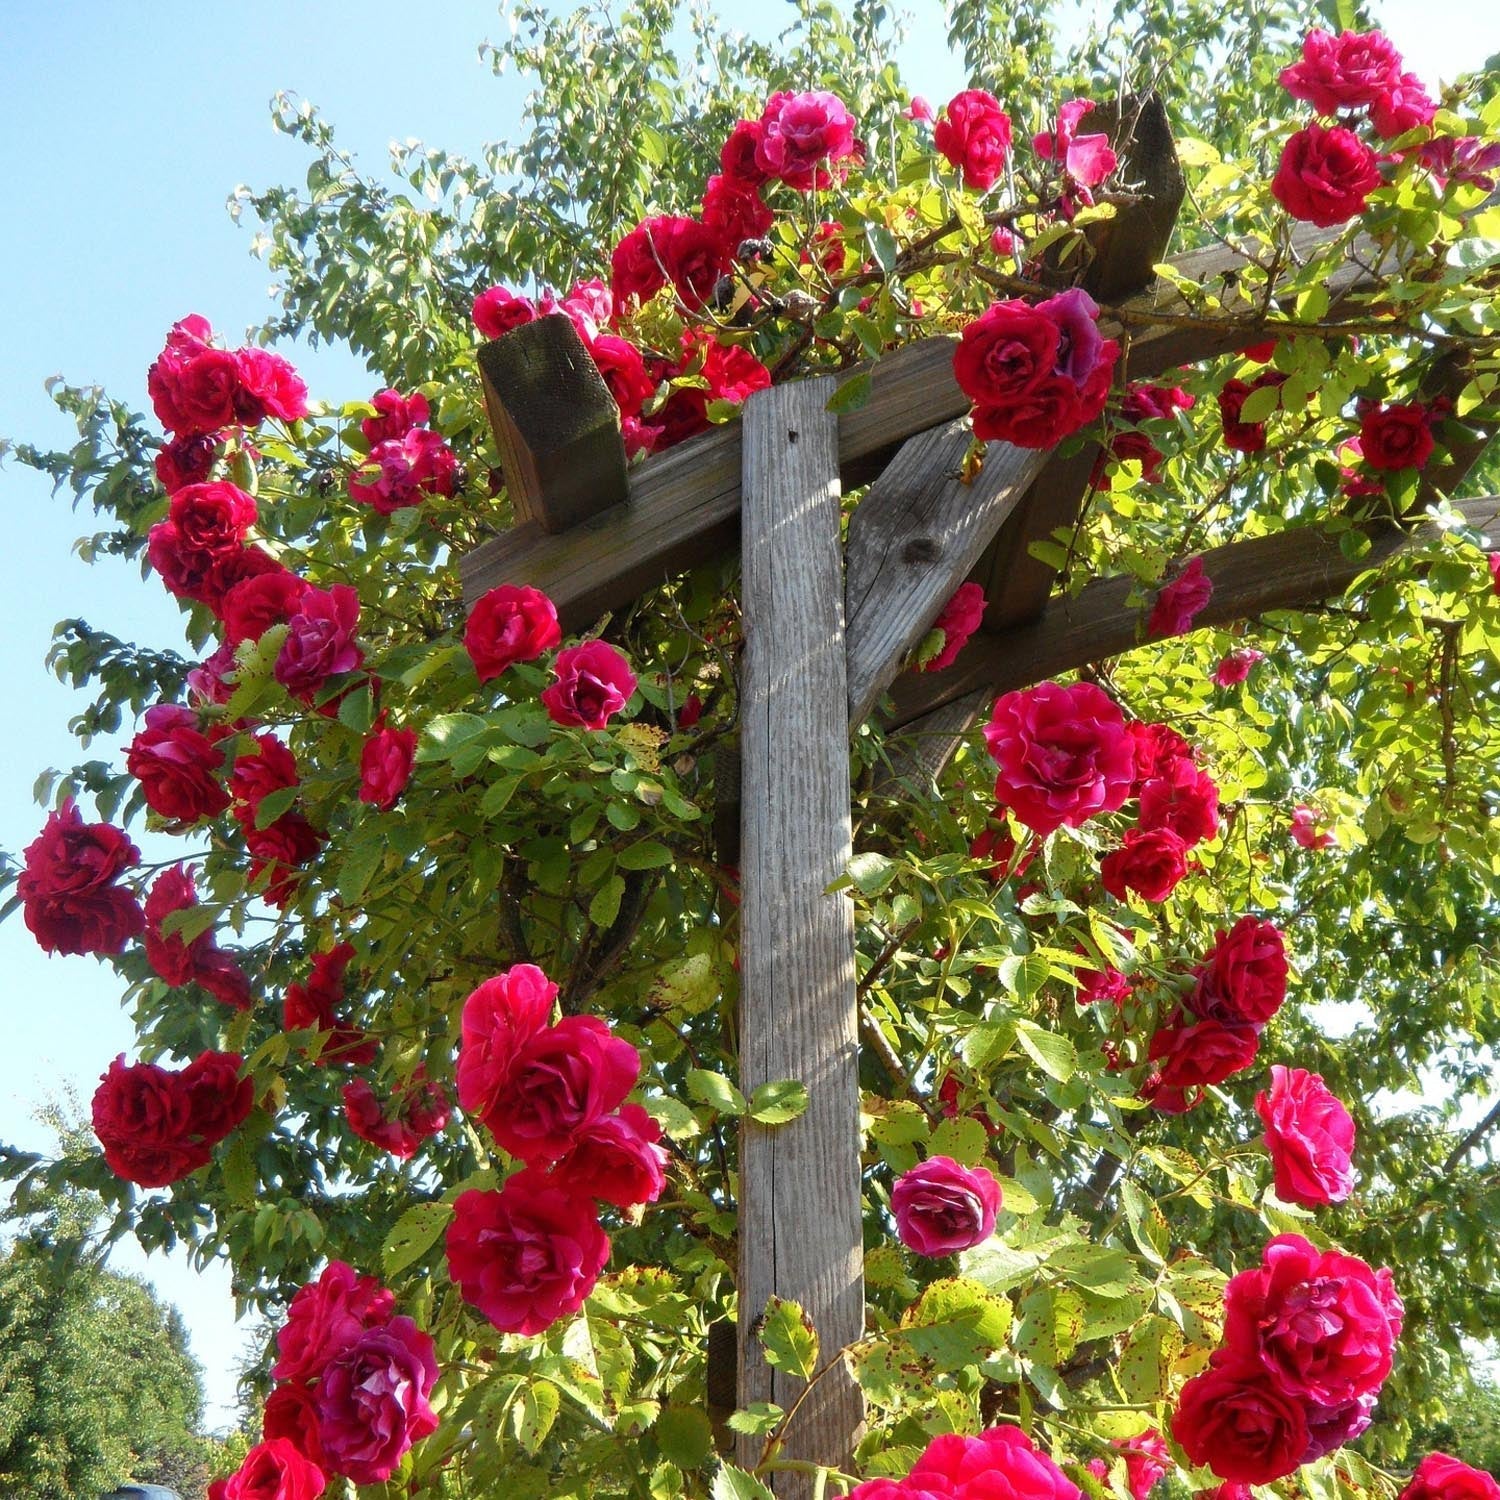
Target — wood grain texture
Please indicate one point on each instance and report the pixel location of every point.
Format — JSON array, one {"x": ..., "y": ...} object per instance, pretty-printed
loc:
[
  {"x": 799, "y": 1210},
  {"x": 913, "y": 539},
  {"x": 555, "y": 423}
]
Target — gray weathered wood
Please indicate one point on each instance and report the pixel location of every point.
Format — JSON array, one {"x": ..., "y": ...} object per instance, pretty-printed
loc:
[
  {"x": 799, "y": 1204},
  {"x": 555, "y": 423},
  {"x": 912, "y": 541}
]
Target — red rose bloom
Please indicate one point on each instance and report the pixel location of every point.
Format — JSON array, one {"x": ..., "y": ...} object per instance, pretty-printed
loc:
[
  {"x": 1396, "y": 437},
  {"x": 1326, "y": 175},
  {"x": 1005, "y": 353},
  {"x": 404, "y": 1122},
  {"x": 511, "y": 623},
  {"x": 187, "y": 461},
  {"x": 733, "y": 213},
  {"x": 1095, "y": 985},
  {"x": 1184, "y": 799},
  {"x": 142, "y": 1118},
  {"x": 320, "y": 640},
  {"x": 1244, "y": 437},
  {"x": 594, "y": 682},
  {"x": 624, "y": 372},
  {"x": 291, "y": 1412},
  {"x": 974, "y": 134},
  {"x": 69, "y": 899},
  {"x": 499, "y": 1018},
  {"x": 635, "y": 266},
  {"x": 325, "y": 1318},
  {"x": 801, "y": 136},
  {"x": 1242, "y": 980},
  {"x": 192, "y": 388},
  {"x": 401, "y": 472},
  {"x": 372, "y": 1400},
  {"x": 1350, "y": 71},
  {"x": 1439, "y": 1477},
  {"x": 961, "y": 616},
  {"x": 1237, "y": 666},
  {"x": 200, "y": 961},
  {"x": 274, "y": 1470},
  {"x": 218, "y": 1098},
  {"x": 496, "y": 311},
  {"x": 1234, "y": 1421},
  {"x": 212, "y": 517},
  {"x": 258, "y": 773},
  {"x": 1156, "y": 748},
  {"x": 527, "y": 1255},
  {"x": 737, "y": 156},
  {"x": 1201, "y": 1055},
  {"x": 282, "y": 848},
  {"x": 942, "y": 1208},
  {"x": 615, "y": 1159},
  {"x": 268, "y": 387},
  {"x": 312, "y": 1007},
  {"x": 1063, "y": 755},
  {"x": 1000, "y": 1464},
  {"x": 1180, "y": 602},
  {"x": 1405, "y": 107},
  {"x": 395, "y": 415},
  {"x": 1149, "y": 862},
  {"x": 385, "y": 765},
  {"x": 1310, "y": 1136},
  {"x": 176, "y": 765}
]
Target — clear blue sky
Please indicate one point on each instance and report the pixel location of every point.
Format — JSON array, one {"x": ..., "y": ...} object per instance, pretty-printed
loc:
[{"x": 130, "y": 125}]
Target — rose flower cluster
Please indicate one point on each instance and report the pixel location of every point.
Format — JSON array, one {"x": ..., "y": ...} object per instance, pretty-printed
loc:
[
  {"x": 552, "y": 1094},
  {"x": 1308, "y": 1341},
  {"x": 1002, "y": 1462}
]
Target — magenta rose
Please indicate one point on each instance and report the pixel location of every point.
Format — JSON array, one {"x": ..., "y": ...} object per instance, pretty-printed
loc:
[
  {"x": 694, "y": 256},
  {"x": 268, "y": 387},
  {"x": 1236, "y": 666},
  {"x": 1322, "y": 1325},
  {"x": 400, "y": 472},
  {"x": 187, "y": 460},
  {"x": 281, "y": 849},
  {"x": 320, "y": 640},
  {"x": 594, "y": 682},
  {"x": 616, "y": 1159},
  {"x": 974, "y": 135},
  {"x": 1085, "y": 159},
  {"x": 1234, "y": 1420},
  {"x": 69, "y": 899},
  {"x": 1156, "y": 747},
  {"x": 1063, "y": 754},
  {"x": 1406, "y": 106},
  {"x": 1396, "y": 437},
  {"x": 1184, "y": 799},
  {"x": 1180, "y": 602},
  {"x": 802, "y": 136},
  {"x": 395, "y": 415},
  {"x": 1002, "y": 1463},
  {"x": 193, "y": 385},
  {"x": 314, "y": 1006},
  {"x": 1440, "y": 1477},
  {"x": 511, "y": 623},
  {"x": 403, "y": 1122},
  {"x": 325, "y": 1318},
  {"x": 372, "y": 1401},
  {"x": 385, "y": 766},
  {"x": 259, "y": 772},
  {"x": 1242, "y": 979},
  {"x": 1150, "y": 862},
  {"x": 497, "y": 310},
  {"x": 942, "y": 1208},
  {"x": 499, "y": 1018},
  {"x": 624, "y": 372},
  {"x": 1326, "y": 175},
  {"x": 177, "y": 766},
  {"x": 527, "y": 1255},
  {"x": 1349, "y": 71},
  {"x": 961, "y": 616},
  {"x": 1330, "y": 1427},
  {"x": 274, "y": 1470}
]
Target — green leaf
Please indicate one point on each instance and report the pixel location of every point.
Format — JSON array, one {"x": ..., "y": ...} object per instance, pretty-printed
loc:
[
  {"x": 1147, "y": 1225},
  {"x": 497, "y": 797},
  {"x": 444, "y": 734},
  {"x": 684, "y": 1435},
  {"x": 965, "y": 1140},
  {"x": 1145, "y": 1368},
  {"x": 535, "y": 1409},
  {"x": 358, "y": 867},
  {"x": 872, "y": 873},
  {"x": 755, "y": 1420},
  {"x": 853, "y": 393},
  {"x": 414, "y": 1234},
  {"x": 1053, "y": 1054},
  {"x": 605, "y": 906},
  {"x": 733, "y": 1483},
  {"x": 647, "y": 855},
  {"x": 274, "y": 804},
  {"x": 789, "y": 1339},
  {"x": 779, "y": 1102},
  {"x": 958, "y": 1323},
  {"x": 1259, "y": 405},
  {"x": 716, "y": 1091}
]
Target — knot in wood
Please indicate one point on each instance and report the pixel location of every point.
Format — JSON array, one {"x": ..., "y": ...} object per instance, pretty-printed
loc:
[{"x": 921, "y": 550}]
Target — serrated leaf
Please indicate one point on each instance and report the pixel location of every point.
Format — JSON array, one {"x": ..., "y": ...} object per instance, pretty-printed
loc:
[
  {"x": 872, "y": 873},
  {"x": 957, "y": 1323},
  {"x": 444, "y": 734},
  {"x": 497, "y": 796},
  {"x": 853, "y": 393},
  {"x": 357, "y": 868},
  {"x": 962, "y": 1138},
  {"x": 274, "y": 804},
  {"x": 755, "y": 1420},
  {"x": 413, "y": 1235},
  {"x": 733, "y": 1483},
  {"x": 789, "y": 1339},
  {"x": 779, "y": 1102},
  {"x": 1148, "y": 1227},
  {"x": 535, "y": 1410},
  {"x": 684, "y": 1435},
  {"x": 716, "y": 1091},
  {"x": 689, "y": 985},
  {"x": 647, "y": 855},
  {"x": 1145, "y": 1367},
  {"x": 1259, "y": 405},
  {"x": 1052, "y": 1053}
]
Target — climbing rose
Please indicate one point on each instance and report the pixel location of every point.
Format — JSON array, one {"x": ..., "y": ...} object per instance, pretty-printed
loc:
[
  {"x": 69, "y": 898},
  {"x": 1349, "y": 71},
  {"x": 942, "y": 1208},
  {"x": 320, "y": 640},
  {"x": 1232, "y": 1420},
  {"x": 395, "y": 415},
  {"x": 959, "y": 619},
  {"x": 253, "y": 605},
  {"x": 404, "y": 1122},
  {"x": 1147, "y": 1459},
  {"x": 1305, "y": 831},
  {"x": 616, "y": 1159},
  {"x": 1310, "y": 1136},
  {"x": 372, "y": 1400},
  {"x": 259, "y": 772},
  {"x": 1242, "y": 979},
  {"x": 1184, "y": 799},
  {"x": 1326, "y": 175},
  {"x": 282, "y": 848},
  {"x": 177, "y": 765},
  {"x": 192, "y": 385},
  {"x": 1156, "y": 747},
  {"x": 273, "y": 1470},
  {"x": 1203, "y": 1054},
  {"x": 496, "y": 311},
  {"x": 594, "y": 682},
  {"x": 1396, "y": 437},
  {"x": 400, "y": 472},
  {"x": 1062, "y": 752},
  {"x": 1440, "y": 1477},
  {"x": 1150, "y": 862},
  {"x": 326, "y": 1317},
  {"x": 974, "y": 135},
  {"x": 511, "y": 623},
  {"x": 526, "y": 1255},
  {"x": 1244, "y": 437},
  {"x": 200, "y": 961},
  {"x": 624, "y": 372},
  {"x": 918, "y": 109},
  {"x": 734, "y": 213},
  {"x": 1404, "y": 108},
  {"x": 311, "y": 1006},
  {"x": 1000, "y": 1464},
  {"x": 205, "y": 527},
  {"x": 268, "y": 387},
  {"x": 1180, "y": 602},
  {"x": 385, "y": 765},
  {"x": 1236, "y": 666},
  {"x": 1086, "y": 159},
  {"x": 668, "y": 247},
  {"x": 187, "y": 460},
  {"x": 1097, "y": 985},
  {"x": 802, "y": 135},
  {"x": 291, "y": 1412}
]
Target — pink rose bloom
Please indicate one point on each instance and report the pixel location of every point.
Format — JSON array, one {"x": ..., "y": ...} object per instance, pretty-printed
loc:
[
  {"x": 942, "y": 1208},
  {"x": 1242, "y": 979},
  {"x": 1180, "y": 602},
  {"x": 1096, "y": 985},
  {"x": 499, "y": 1018},
  {"x": 1310, "y": 1136},
  {"x": 616, "y": 1159},
  {"x": 511, "y": 623},
  {"x": 526, "y": 1255},
  {"x": 594, "y": 682},
  {"x": 1063, "y": 755},
  {"x": 1468, "y": 159},
  {"x": 1305, "y": 831},
  {"x": 1406, "y": 106},
  {"x": 1184, "y": 799},
  {"x": 497, "y": 310},
  {"x": 273, "y": 1470},
  {"x": 590, "y": 306},
  {"x": 402, "y": 472},
  {"x": 268, "y": 387},
  {"x": 1349, "y": 71},
  {"x": 326, "y": 1317},
  {"x": 1000, "y": 1464},
  {"x": 1326, "y": 176},
  {"x": 177, "y": 765},
  {"x": 1147, "y": 1459},
  {"x": 1086, "y": 159},
  {"x": 254, "y": 605},
  {"x": 802, "y": 135},
  {"x": 1150, "y": 862},
  {"x": 974, "y": 135},
  {"x": 1492, "y": 559},
  {"x": 1439, "y": 1477},
  {"x": 960, "y": 618},
  {"x": 1330, "y": 1427},
  {"x": 395, "y": 416},
  {"x": 320, "y": 640},
  {"x": 918, "y": 109},
  {"x": 1323, "y": 1325},
  {"x": 385, "y": 765},
  {"x": 1235, "y": 667},
  {"x": 372, "y": 1401},
  {"x": 193, "y": 385}
]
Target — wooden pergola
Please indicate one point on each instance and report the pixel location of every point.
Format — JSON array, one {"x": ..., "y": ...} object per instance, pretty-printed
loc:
[{"x": 828, "y": 625}]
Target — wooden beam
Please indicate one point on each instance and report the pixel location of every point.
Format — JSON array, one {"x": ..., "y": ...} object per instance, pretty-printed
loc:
[
  {"x": 555, "y": 423},
  {"x": 800, "y": 1234},
  {"x": 1293, "y": 569},
  {"x": 684, "y": 504}
]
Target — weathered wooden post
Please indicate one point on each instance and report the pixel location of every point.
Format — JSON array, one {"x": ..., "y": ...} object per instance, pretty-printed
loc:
[{"x": 800, "y": 1234}]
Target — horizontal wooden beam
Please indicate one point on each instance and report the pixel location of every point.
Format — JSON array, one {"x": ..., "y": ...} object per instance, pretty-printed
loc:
[{"x": 684, "y": 504}]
